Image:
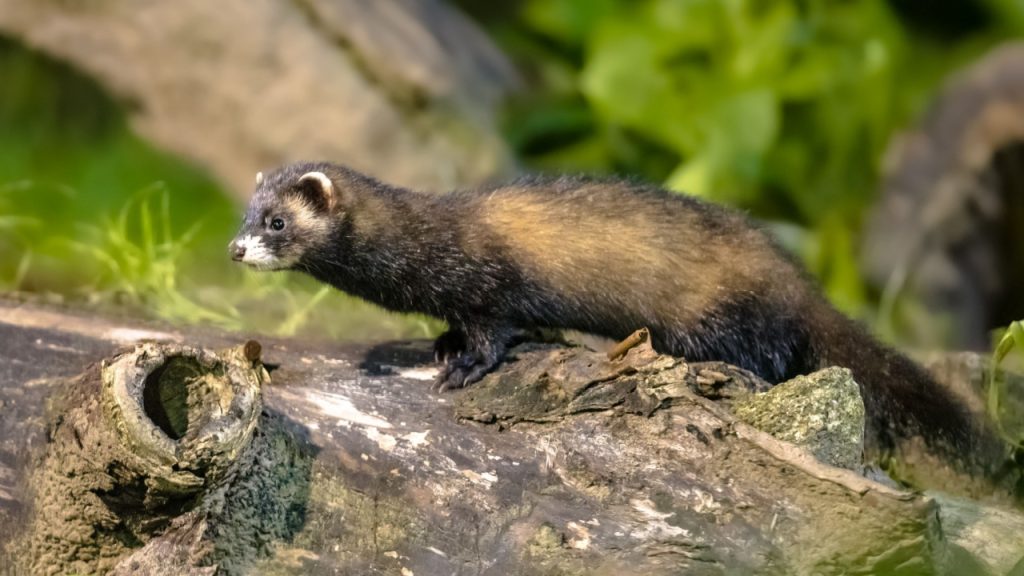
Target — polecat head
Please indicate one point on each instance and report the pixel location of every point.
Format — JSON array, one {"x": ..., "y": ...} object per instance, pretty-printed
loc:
[{"x": 289, "y": 214}]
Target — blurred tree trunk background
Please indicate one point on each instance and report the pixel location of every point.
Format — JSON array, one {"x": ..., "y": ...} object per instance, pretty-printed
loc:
[
  {"x": 406, "y": 91},
  {"x": 132, "y": 132},
  {"x": 948, "y": 229}
]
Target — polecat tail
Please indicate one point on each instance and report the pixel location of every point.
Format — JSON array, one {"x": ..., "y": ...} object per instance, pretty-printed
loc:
[{"x": 912, "y": 419}]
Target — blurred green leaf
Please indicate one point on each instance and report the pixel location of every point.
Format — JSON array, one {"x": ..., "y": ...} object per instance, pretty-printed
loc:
[
  {"x": 1009, "y": 423},
  {"x": 567, "y": 20}
]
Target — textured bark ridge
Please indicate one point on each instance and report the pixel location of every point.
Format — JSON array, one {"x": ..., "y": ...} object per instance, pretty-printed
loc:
[
  {"x": 173, "y": 459},
  {"x": 404, "y": 90}
]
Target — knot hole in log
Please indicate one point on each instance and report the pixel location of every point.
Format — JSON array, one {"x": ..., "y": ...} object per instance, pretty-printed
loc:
[
  {"x": 163, "y": 461},
  {"x": 185, "y": 413},
  {"x": 165, "y": 395}
]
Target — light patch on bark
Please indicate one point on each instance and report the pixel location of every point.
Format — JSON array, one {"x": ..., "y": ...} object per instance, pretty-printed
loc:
[
  {"x": 419, "y": 373},
  {"x": 655, "y": 524},
  {"x": 341, "y": 408},
  {"x": 485, "y": 479},
  {"x": 385, "y": 442},
  {"x": 133, "y": 335},
  {"x": 417, "y": 439},
  {"x": 581, "y": 536}
]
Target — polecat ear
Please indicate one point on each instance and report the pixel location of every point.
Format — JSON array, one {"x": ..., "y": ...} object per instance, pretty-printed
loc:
[
  {"x": 259, "y": 178},
  {"x": 318, "y": 189}
]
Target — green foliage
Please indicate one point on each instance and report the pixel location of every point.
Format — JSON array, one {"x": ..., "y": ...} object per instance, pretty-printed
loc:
[
  {"x": 141, "y": 266},
  {"x": 746, "y": 95},
  {"x": 81, "y": 217},
  {"x": 134, "y": 259},
  {"x": 781, "y": 107},
  {"x": 1004, "y": 411}
]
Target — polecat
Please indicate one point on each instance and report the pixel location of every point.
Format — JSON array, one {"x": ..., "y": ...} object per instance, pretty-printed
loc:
[{"x": 604, "y": 257}]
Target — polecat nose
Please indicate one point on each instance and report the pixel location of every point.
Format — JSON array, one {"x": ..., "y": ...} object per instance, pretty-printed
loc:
[{"x": 237, "y": 252}]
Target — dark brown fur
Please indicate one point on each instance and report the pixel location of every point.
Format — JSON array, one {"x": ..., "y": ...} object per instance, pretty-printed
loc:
[{"x": 605, "y": 257}]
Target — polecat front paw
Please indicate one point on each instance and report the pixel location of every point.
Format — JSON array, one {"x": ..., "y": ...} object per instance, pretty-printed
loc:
[
  {"x": 461, "y": 371},
  {"x": 449, "y": 345},
  {"x": 480, "y": 349}
]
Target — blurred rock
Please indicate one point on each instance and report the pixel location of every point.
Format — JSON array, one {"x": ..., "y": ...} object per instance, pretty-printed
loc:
[
  {"x": 981, "y": 539},
  {"x": 405, "y": 90}
]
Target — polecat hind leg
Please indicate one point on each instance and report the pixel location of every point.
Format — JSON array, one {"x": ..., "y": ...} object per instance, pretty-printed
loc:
[
  {"x": 449, "y": 345},
  {"x": 485, "y": 348}
]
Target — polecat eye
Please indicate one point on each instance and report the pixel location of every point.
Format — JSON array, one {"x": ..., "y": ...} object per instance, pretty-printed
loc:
[{"x": 277, "y": 224}]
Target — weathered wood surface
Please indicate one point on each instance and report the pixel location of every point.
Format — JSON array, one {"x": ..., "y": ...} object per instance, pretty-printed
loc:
[
  {"x": 404, "y": 90},
  {"x": 566, "y": 463}
]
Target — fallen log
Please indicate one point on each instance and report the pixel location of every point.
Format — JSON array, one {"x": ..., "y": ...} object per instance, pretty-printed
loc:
[{"x": 563, "y": 462}]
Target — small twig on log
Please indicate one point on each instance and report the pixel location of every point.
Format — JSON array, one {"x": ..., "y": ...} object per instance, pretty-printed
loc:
[
  {"x": 631, "y": 341},
  {"x": 252, "y": 350}
]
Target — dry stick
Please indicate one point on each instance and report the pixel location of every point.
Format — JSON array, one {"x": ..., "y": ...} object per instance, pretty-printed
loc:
[
  {"x": 631, "y": 341},
  {"x": 252, "y": 350}
]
